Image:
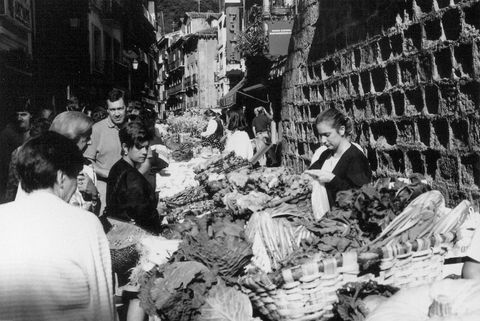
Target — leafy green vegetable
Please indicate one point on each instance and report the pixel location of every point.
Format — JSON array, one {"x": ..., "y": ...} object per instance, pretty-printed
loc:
[
  {"x": 177, "y": 290},
  {"x": 350, "y": 306},
  {"x": 226, "y": 304}
]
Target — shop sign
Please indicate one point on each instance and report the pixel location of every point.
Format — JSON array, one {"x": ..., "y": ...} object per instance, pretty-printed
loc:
[{"x": 279, "y": 33}]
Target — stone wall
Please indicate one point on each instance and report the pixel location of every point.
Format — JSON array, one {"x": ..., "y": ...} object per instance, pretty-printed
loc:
[{"x": 406, "y": 72}]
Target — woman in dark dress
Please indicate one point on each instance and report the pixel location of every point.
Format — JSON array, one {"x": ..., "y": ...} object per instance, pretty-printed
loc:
[
  {"x": 342, "y": 165},
  {"x": 130, "y": 197}
]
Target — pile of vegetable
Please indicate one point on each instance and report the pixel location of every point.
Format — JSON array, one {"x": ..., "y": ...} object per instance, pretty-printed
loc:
[
  {"x": 196, "y": 283},
  {"x": 220, "y": 164},
  {"x": 357, "y": 300},
  {"x": 188, "y": 196},
  {"x": 357, "y": 218},
  {"x": 425, "y": 216},
  {"x": 274, "y": 235},
  {"x": 193, "y": 124},
  {"x": 218, "y": 243},
  {"x": 191, "y": 209},
  {"x": 176, "y": 291},
  {"x": 445, "y": 300}
]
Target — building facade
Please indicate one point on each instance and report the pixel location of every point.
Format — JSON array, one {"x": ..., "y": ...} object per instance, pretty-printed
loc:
[
  {"x": 95, "y": 46},
  {"x": 189, "y": 69},
  {"x": 230, "y": 67},
  {"x": 16, "y": 64}
]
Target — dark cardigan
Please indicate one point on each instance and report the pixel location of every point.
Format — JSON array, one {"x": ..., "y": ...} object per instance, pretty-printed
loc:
[
  {"x": 351, "y": 171},
  {"x": 131, "y": 197}
]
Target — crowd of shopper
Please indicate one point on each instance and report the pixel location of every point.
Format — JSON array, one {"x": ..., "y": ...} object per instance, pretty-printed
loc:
[{"x": 77, "y": 158}]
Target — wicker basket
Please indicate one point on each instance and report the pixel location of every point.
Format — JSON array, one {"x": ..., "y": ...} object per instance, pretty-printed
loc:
[{"x": 309, "y": 291}]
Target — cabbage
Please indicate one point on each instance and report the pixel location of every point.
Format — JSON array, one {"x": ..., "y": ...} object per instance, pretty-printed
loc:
[{"x": 226, "y": 304}]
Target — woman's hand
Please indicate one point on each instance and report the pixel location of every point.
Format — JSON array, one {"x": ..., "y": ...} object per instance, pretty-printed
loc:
[
  {"x": 85, "y": 185},
  {"x": 320, "y": 175}
]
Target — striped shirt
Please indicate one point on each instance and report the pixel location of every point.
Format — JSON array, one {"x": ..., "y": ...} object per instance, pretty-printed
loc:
[{"x": 54, "y": 262}]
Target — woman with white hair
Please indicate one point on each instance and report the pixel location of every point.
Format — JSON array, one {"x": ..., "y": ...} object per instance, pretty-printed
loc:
[{"x": 77, "y": 127}]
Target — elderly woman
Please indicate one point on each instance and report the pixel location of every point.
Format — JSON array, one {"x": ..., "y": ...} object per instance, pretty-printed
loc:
[
  {"x": 55, "y": 257},
  {"x": 78, "y": 127}
]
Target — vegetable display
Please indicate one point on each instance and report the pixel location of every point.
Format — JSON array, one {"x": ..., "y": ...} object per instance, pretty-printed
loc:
[
  {"x": 189, "y": 195},
  {"x": 251, "y": 228},
  {"x": 357, "y": 300},
  {"x": 176, "y": 291},
  {"x": 445, "y": 300},
  {"x": 216, "y": 242}
]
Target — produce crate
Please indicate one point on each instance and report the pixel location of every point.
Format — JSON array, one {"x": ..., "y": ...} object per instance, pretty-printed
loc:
[{"x": 309, "y": 290}]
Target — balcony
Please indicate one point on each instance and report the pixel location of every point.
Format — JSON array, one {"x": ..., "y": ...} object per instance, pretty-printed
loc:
[
  {"x": 280, "y": 11},
  {"x": 175, "y": 89},
  {"x": 188, "y": 81},
  {"x": 15, "y": 18},
  {"x": 111, "y": 12},
  {"x": 175, "y": 65}
]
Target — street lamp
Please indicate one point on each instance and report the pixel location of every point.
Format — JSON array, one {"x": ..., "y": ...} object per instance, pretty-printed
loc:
[{"x": 135, "y": 64}]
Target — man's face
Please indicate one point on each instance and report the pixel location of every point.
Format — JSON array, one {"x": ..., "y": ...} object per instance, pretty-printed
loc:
[
  {"x": 23, "y": 120},
  {"x": 116, "y": 111}
]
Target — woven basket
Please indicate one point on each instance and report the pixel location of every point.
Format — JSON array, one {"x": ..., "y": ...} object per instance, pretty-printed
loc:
[{"x": 309, "y": 290}]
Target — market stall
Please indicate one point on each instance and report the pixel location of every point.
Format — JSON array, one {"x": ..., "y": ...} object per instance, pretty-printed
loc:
[
  {"x": 249, "y": 232},
  {"x": 242, "y": 241}
]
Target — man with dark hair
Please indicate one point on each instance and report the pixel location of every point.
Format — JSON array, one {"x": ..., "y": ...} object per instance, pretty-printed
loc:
[
  {"x": 55, "y": 257},
  {"x": 105, "y": 148},
  {"x": 14, "y": 135}
]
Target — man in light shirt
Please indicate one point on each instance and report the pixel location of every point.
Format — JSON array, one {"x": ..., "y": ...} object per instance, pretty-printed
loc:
[
  {"x": 55, "y": 257},
  {"x": 105, "y": 149}
]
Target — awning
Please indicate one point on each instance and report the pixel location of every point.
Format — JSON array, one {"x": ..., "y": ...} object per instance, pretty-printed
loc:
[
  {"x": 231, "y": 97},
  {"x": 254, "y": 87},
  {"x": 247, "y": 91}
]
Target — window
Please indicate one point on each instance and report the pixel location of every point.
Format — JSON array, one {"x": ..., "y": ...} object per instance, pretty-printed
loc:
[
  {"x": 116, "y": 50},
  {"x": 107, "y": 40},
  {"x": 97, "y": 48}
]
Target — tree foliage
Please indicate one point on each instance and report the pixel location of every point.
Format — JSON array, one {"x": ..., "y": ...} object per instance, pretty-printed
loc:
[{"x": 253, "y": 42}]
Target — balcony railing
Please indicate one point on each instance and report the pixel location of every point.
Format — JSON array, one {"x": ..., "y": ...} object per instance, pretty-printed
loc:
[
  {"x": 172, "y": 90},
  {"x": 175, "y": 64},
  {"x": 280, "y": 11},
  {"x": 188, "y": 81}
]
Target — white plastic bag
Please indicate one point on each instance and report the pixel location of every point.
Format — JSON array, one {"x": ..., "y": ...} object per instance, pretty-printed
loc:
[{"x": 320, "y": 205}]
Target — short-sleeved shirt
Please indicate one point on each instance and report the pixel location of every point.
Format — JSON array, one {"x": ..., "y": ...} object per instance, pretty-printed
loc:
[
  {"x": 105, "y": 149},
  {"x": 55, "y": 262},
  {"x": 261, "y": 123}
]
